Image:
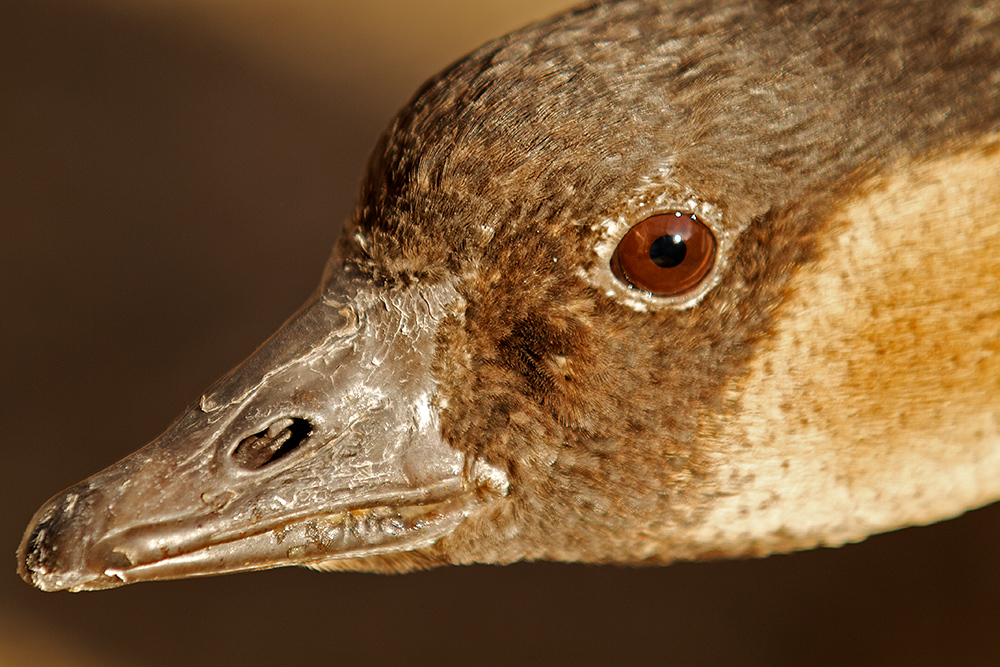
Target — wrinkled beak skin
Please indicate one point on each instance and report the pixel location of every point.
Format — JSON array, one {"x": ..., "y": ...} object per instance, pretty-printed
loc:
[{"x": 325, "y": 444}]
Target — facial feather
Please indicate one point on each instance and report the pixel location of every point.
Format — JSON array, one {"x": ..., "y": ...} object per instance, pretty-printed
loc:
[{"x": 876, "y": 401}]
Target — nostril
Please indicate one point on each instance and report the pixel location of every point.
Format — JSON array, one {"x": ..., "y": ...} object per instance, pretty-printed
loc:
[{"x": 276, "y": 441}]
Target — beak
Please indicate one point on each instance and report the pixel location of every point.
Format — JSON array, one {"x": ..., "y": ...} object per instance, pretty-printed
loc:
[{"x": 325, "y": 444}]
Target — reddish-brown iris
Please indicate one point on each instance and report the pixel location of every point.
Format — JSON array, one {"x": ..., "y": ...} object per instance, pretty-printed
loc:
[{"x": 665, "y": 255}]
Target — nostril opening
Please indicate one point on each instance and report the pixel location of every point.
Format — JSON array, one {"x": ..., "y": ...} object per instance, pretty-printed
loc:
[{"x": 278, "y": 440}]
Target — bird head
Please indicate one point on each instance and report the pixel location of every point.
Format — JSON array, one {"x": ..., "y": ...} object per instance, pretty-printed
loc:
[{"x": 645, "y": 281}]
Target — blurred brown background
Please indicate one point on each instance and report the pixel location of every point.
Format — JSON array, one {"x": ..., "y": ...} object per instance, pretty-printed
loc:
[{"x": 172, "y": 175}]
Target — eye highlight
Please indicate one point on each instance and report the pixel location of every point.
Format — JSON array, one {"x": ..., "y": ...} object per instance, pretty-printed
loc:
[{"x": 665, "y": 255}]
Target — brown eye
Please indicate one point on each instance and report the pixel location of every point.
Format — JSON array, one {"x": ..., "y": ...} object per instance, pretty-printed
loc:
[{"x": 665, "y": 255}]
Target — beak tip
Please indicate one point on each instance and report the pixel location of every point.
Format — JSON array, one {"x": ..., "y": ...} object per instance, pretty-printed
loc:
[
  {"x": 36, "y": 556},
  {"x": 28, "y": 553},
  {"x": 37, "y": 562},
  {"x": 40, "y": 567},
  {"x": 50, "y": 556}
]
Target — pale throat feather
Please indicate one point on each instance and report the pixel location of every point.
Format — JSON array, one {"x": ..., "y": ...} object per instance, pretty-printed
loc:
[{"x": 875, "y": 404}]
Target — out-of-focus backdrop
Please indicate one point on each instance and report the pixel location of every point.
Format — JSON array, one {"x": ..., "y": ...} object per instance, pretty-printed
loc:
[{"x": 172, "y": 175}]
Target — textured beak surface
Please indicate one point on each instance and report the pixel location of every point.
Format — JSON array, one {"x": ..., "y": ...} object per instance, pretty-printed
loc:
[{"x": 324, "y": 444}]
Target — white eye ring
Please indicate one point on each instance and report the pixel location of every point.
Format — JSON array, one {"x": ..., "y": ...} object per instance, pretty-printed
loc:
[{"x": 611, "y": 231}]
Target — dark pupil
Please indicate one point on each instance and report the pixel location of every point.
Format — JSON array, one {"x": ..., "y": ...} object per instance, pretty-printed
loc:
[{"x": 667, "y": 251}]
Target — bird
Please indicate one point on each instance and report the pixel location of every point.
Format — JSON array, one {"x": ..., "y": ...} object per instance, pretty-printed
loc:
[{"x": 646, "y": 281}]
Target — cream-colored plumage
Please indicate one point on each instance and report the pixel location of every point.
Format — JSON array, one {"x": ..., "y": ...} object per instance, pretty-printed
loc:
[{"x": 876, "y": 402}]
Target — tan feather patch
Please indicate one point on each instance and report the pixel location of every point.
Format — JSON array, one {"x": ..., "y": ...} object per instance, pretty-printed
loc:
[{"x": 875, "y": 404}]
